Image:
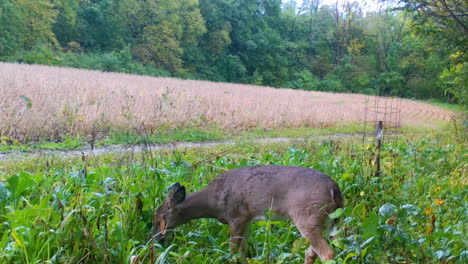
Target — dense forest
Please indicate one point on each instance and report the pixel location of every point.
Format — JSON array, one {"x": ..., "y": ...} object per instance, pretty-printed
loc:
[{"x": 407, "y": 48}]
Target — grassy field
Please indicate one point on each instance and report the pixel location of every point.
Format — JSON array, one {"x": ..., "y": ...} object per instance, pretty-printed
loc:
[
  {"x": 98, "y": 209},
  {"x": 182, "y": 135},
  {"x": 54, "y": 104}
]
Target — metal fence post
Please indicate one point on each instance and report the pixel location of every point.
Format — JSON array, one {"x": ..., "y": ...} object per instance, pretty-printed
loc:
[{"x": 378, "y": 136}]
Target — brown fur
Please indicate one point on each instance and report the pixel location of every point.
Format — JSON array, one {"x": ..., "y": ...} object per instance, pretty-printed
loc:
[{"x": 241, "y": 195}]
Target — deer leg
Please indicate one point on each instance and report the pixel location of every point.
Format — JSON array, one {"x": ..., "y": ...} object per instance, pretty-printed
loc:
[
  {"x": 318, "y": 244},
  {"x": 238, "y": 237},
  {"x": 310, "y": 256}
]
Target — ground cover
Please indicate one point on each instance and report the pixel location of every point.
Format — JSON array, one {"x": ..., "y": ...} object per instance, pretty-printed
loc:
[{"x": 98, "y": 209}]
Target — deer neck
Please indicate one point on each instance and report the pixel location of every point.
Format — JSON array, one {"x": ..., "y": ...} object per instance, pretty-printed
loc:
[{"x": 198, "y": 205}]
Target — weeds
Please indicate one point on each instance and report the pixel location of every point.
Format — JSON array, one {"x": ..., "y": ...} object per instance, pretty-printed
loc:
[{"x": 98, "y": 209}]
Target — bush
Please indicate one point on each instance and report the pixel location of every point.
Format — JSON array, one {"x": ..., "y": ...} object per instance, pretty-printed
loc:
[
  {"x": 424, "y": 88},
  {"x": 121, "y": 61},
  {"x": 331, "y": 83},
  {"x": 231, "y": 68},
  {"x": 304, "y": 80},
  {"x": 391, "y": 83},
  {"x": 41, "y": 55},
  {"x": 454, "y": 82}
]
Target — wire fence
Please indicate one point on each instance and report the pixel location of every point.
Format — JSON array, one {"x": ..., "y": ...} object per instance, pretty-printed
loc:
[{"x": 386, "y": 110}]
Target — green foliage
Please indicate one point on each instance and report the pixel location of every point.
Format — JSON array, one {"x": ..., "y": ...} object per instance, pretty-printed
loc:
[
  {"x": 231, "y": 68},
  {"x": 99, "y": 210},
  {"x": 218, "y": 40},
  {"x": 331, "y": 83},
  {"x": 41, "y": 55},
  {"x": 390, "y": 83},
  {"x": 11, "y": 29},
  {"x": 121, "y": 61},
  {"x": 159, "y": 46},
  {"x": 166, "y": 135},
  {"x": 101, "y": 25},
  {"x": 162, "y": 41},
  {"x": 305, "y": 80},
  {"x": 188, "y": 134},
  {"x": 455, "y": 82},
  {"x": 66, "y": 26},
  {"x": 441, "y": 20},
  {"x": 38, "y": 18}
]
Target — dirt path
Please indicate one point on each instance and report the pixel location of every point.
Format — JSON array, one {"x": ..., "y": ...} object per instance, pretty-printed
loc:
[{"x": 64, "y": 154}]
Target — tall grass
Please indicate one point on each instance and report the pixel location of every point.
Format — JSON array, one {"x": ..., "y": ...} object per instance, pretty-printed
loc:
[
  {"x": 50, "y": 102},
  {"x": 98, "y": 210}
]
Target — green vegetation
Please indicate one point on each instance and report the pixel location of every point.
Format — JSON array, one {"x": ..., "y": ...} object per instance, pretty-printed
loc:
[
  {"x": 298, "y": 44},
  {"x": 194, "y": 134},
  {"x": 452, "y": 107},
  {"x": 98, "y": 210},
  {"x": 129, "y": 137}
]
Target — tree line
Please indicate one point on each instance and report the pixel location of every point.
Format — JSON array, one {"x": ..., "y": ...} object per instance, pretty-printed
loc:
[{"x": 414, "y": 48}]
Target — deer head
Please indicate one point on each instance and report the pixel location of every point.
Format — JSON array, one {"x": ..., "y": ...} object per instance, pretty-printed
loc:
[{"x": 168, "y": 215}]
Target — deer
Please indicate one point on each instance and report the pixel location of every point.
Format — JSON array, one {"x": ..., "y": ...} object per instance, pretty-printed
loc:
[{"x": 241, "y": 195}]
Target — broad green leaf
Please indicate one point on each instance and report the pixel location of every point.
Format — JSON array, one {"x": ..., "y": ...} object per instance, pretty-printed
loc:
[
  {"x": 369, "y": 226},
  {"x": 360, "y": 210},
  {"x": 338, "y": 213}
]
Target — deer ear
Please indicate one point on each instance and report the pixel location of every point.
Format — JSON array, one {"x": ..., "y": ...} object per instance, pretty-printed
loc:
[{"x": 177, "y": 194}]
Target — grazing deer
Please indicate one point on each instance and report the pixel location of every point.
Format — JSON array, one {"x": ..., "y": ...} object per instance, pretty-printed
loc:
[{"x": 243, "y": 194}]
